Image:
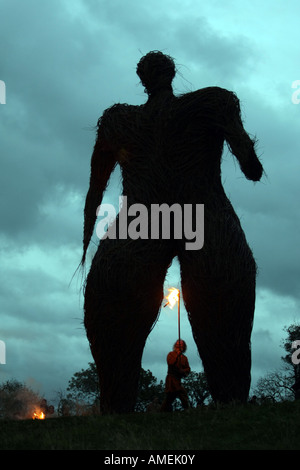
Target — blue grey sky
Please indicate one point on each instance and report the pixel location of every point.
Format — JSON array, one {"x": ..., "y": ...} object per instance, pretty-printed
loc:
[{"x": 65, "y": 61}]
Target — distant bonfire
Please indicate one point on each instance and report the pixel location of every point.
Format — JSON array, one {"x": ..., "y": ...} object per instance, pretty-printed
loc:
[{"x": 19, "y": 402}]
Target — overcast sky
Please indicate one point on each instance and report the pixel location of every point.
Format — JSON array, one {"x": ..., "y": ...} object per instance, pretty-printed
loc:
[{"x": 65, "y": 61}]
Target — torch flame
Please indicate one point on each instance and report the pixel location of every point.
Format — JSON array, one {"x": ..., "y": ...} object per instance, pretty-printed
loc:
[{"x": 173, "y": 297}]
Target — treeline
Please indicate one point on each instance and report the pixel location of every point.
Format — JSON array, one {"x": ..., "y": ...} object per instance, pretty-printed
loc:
[
  {"x": 83, "y": 394},
  {"x": 84, "y": 387},
  {"x": 275, "y": 386}
]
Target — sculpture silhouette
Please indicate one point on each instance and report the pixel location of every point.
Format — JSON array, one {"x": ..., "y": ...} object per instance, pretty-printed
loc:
[{"x": 169, "y": 151}]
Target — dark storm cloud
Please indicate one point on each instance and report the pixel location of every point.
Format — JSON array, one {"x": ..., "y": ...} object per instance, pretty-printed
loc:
[{"x": 47, "y": 123}]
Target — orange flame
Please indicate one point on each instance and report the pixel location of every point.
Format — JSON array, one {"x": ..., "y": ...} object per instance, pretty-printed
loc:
[
  {"x": 38, "y": 415},
  {"x": 173, "y": 297}
]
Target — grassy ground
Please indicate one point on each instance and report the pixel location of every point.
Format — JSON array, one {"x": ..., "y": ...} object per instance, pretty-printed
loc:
[{"x": 275, "y": 427}]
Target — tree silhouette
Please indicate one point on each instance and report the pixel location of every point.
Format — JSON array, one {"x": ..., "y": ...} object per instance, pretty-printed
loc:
[
  {"x": 148, "y": 390},
  {"x": 197, "y": 388},
  {"x": 279, "y": 385},
  {"x": 84, "y": 385},
  {"x": 293, "y": 332}
]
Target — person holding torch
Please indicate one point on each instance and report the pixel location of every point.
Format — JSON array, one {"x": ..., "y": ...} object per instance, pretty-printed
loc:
[{"x": 178, "y": 367}]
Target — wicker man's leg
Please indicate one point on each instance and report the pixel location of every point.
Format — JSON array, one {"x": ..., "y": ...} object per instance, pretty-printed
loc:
[
  {"x": 220, "y": 301},
  {"x": 123, "y": 296}
]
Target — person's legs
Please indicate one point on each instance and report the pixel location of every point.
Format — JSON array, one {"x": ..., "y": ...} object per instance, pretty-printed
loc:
[
  {"x": 183, "y": 396},
  {"x": 167, "y": 404}
]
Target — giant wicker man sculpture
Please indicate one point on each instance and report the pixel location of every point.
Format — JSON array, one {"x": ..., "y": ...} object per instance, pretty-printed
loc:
[{"x": 169, "y": 151}]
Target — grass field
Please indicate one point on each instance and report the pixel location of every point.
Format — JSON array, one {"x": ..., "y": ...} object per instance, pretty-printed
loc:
[{"x": 265, "y": 427}]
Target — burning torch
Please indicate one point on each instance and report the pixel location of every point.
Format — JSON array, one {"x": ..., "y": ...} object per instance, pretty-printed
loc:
[{"x": 172, "y": 298}]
